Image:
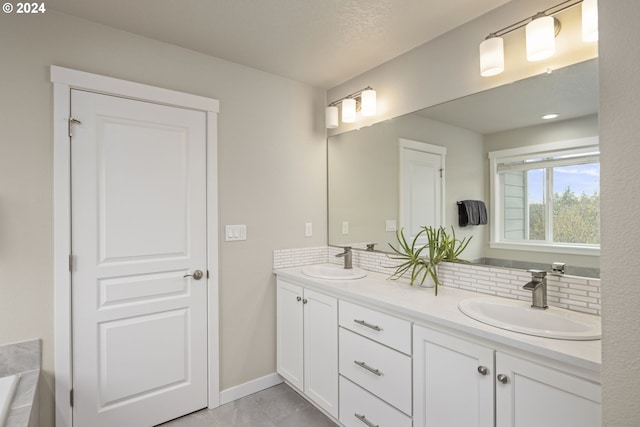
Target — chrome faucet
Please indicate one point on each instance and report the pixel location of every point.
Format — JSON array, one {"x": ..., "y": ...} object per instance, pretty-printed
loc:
[
  {"x": 538, "y": 288},
  {"x": 347, "y": 257}
]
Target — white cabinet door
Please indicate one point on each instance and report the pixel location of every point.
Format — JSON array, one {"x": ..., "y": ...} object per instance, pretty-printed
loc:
[
  {"x": 321, "y": 350},
  {"x": 307, "y": 343},
  {"x": 534, "y": 395},
  {"x": 450, "y": 384},
  {"x": 290, "y": 333}
]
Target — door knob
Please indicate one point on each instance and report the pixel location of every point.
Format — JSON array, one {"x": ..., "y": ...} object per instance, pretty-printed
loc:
[{"x": 197, "y": 275}]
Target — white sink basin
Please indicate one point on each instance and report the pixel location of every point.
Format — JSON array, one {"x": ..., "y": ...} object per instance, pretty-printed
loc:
[
  {"x": 333, "y": 272},
  {"x": 518, "y": 316}
]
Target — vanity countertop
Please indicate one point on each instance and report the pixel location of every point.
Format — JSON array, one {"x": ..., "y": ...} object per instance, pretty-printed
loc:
[{"x": 421, "y": 306}]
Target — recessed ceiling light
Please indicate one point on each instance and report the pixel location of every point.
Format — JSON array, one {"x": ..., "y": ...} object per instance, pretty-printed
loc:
[{"x": 549, "y": 116}]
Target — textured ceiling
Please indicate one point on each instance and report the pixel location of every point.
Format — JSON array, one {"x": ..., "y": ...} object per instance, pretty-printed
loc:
[
  {"x": 319, "y": 42},
  {"x": 569, "y": 92}
]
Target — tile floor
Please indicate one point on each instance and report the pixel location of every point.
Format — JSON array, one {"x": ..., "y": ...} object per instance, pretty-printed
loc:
[{"x": 278, "y": 406}]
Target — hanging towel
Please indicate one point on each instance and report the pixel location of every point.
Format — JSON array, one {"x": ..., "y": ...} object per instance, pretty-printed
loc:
[{"x": 472, "y": 212}]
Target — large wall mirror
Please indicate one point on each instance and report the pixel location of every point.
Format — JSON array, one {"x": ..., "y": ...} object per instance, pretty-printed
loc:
[{"x": 367, "y": 185}]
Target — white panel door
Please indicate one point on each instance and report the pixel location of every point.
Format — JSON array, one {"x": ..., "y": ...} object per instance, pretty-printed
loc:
[
  {"x": 421, "y": 195},
  {"x": 138, "y": 228},
  {"x": 321, "y": 350}
]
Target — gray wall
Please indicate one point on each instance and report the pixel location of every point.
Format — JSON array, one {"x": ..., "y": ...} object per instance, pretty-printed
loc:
[
  {"x": 620, "y": 269},
  {"x": 271, "y": 176}
]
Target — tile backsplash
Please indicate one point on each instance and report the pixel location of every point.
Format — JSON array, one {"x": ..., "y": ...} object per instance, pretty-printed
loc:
[{"x": 569, "y": 292}]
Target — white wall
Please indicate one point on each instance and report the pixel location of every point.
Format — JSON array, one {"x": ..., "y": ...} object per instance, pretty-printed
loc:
[
  {"x": 272, "y": 176},
  {"x": 620, "y": 147}
]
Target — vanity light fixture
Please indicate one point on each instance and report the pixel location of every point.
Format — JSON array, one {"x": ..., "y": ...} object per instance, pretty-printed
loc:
[
  {"x": 590, "y": 20},
  {"x": 349, "y": 110},
  {"x": 541, "y": 30},
  {"x": 491, "y": 56},
  {"x": 331, "y": 117},
  {"x": 363, "y": 100},
  {"x": 541, "y": 37}
]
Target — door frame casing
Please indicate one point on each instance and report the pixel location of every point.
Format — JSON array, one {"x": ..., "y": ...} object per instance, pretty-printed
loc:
[{"x": 64, "y": 80}]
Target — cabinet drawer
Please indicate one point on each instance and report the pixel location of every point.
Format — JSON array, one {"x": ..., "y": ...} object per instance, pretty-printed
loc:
[
  {"x": 386, "y": 329},
  {"x": 356, "y": 403},
  {"x": 379, "y": 369}
]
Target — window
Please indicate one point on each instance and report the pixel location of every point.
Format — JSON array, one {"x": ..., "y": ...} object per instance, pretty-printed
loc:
[{"x": 547, "y": 197}]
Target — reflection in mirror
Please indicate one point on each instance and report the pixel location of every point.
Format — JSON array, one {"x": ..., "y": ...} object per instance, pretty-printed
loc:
[{"x": 365, "y": 191}]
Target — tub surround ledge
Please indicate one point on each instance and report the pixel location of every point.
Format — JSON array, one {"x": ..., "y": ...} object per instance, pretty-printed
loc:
[{"x": 23, "y": 358}]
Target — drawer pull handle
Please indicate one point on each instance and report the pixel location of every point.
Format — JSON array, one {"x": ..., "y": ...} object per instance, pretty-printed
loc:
[
  {"x": 368, "y": 325},
  {"x": 368, "y": 368},
  {"x": 365, "y": 420}
]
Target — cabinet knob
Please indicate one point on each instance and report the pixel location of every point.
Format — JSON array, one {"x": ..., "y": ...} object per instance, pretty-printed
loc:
[
  {"x": 503, "y": 378},
  {"x": 304, "y": 301},
  {"x": 298, "y": 299},
  {"x": 483, "y": 370}
]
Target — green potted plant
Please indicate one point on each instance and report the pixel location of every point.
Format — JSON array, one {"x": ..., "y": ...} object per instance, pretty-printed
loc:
[{"x": 420, "y": 261}]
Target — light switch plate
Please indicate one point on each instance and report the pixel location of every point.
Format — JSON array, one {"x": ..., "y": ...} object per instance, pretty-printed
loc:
[
  {"x": 308, "y": 229},
  {"x": 345, "y": 227},
  {"x": 235, "y": 232}
]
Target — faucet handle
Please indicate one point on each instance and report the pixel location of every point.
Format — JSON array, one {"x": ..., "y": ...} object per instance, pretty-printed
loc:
[{"x": 538, "y": 274}]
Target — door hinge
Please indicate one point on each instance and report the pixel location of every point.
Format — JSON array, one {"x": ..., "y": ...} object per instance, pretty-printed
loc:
[
  {"x": 72, "y": 122},
  {"x": 71, "y": 397},
  {"x": 207, "y": 274},
  {"x": 71, "y": 263},
  {"x": 441, "y": 172}
]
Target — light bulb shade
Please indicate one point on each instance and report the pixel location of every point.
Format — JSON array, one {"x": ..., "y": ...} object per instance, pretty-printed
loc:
[
  {"x": 368, "y": 102},
  {"x": 331, "y": 117},
  {"x": 541, "y": 38},
  {"x": 590, "y": 20},
  {"x": 349, "y": 110},
  {"x": 491, "y": 56}
]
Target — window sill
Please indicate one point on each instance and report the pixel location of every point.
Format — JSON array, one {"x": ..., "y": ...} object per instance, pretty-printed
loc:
[{"x": 545, "y": 247}]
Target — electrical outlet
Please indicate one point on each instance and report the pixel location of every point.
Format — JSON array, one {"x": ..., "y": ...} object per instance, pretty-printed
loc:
[{"x": 390, "y": 225}]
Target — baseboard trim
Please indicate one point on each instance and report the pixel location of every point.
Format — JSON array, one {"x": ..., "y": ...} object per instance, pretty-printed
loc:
[{"x": 250, "y": 387}]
